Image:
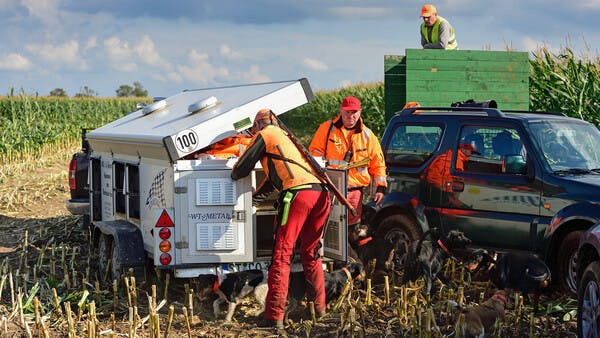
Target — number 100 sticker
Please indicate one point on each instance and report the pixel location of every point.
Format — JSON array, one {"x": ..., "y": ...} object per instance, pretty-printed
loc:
[{"x": 186, "y": 141}]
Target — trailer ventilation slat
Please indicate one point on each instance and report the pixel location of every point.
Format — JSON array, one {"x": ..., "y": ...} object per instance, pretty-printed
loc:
[{"x": 215, "y": 191}]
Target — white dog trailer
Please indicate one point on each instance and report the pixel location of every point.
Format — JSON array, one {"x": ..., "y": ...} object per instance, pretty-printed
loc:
[{"x": 148, "y": 202}]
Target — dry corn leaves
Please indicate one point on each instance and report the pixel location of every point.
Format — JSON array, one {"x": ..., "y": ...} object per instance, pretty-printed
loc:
[{"x": 46, "y": 250}]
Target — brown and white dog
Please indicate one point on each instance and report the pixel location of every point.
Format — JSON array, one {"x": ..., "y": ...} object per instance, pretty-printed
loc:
[{"x": 480, "y": 319}]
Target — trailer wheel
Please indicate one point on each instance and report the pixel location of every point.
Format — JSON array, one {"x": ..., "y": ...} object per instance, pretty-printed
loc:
[{"x": 108, "y": 270}]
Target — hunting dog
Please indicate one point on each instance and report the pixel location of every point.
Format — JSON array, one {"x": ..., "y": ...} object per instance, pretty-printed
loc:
[
  {"x": 235, "y": 286},
  {"x": 480, "y": 319},
  {"x": 386, "y": 252},
  {"x": 520, "y": 271},
  {"x": 334, "y": 284},
  {"x": 427, "y": 258}
]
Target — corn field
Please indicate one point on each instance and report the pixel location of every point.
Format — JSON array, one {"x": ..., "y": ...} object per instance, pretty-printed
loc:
[{"x": 27, "y": 124}]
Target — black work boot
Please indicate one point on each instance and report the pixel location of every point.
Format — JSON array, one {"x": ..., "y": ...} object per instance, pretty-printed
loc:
[{"x": 271, "y": 323}]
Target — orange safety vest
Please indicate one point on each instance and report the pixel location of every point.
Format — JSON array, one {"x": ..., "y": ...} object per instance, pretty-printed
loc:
[
  {"x": 341, "y": 148},
  {"x": 229, "y": 147},
  {"x": 272, "y": 146}
]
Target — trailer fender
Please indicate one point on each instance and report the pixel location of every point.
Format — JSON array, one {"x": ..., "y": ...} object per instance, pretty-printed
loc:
[{"x": 128, "y": 241}]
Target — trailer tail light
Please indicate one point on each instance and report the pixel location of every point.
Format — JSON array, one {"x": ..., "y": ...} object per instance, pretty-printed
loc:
[
  {"x": 164, "y": 233},
  {"x": 72, "y": 173},
  {"x": 165, "y": 259},
  {"x": 165, "y": 246}
]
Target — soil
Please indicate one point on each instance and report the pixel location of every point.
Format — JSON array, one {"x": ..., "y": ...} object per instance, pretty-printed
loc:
[{"x": 43, "y": 247}]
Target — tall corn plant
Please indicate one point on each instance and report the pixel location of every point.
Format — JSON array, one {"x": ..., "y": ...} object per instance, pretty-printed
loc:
[
  {"x": 305, "y": 120},
  {"x": 563, "y": 82}
]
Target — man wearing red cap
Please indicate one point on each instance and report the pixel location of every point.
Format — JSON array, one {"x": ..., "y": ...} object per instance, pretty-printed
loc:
[
  {"x": 303, "y": 209},
  {"x": 345, "y": 142},
  {"x": 436, "y": 32}
]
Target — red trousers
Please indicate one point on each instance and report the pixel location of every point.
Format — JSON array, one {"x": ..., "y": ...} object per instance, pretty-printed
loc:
[
  {"x": 306, "y": 218},
  {"x": 354, "y": 197}
]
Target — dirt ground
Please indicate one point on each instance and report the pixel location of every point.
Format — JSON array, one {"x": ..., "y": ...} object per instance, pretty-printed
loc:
[{"x": 44, "y": 247}]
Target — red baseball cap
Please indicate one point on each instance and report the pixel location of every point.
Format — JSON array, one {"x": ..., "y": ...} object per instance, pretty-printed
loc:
[
  {"x": 351, "y": 103},
  {"x": 469, "y": 146},
  {"x": 428, "y": 10}
]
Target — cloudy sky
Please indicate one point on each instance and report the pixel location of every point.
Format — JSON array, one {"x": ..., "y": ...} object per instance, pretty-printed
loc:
[{"x": 173, "y": 45}]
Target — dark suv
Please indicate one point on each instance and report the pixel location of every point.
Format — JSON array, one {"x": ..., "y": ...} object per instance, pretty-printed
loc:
[{"x": 509, "y": 180}]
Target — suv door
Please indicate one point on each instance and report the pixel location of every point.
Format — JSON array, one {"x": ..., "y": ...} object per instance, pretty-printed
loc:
[{"x": 492, "y": 195}]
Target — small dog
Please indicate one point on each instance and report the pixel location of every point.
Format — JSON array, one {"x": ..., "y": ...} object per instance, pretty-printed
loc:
[
  {"x": 427, "y": 258},
  {"x": 480, "y": 319},
  {"x": 521, "y": 271},
  {"x": 334, "y": 284},
  {"x": 236, "y": 286}
]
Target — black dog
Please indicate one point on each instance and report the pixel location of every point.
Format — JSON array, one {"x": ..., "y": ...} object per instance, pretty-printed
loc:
[
  {"x": 427, "y": 258},
  {"x": 237, "y": 285},
  {"x": 386, "y": 252},
  {"x": 521, "y": 271},
  {"x": 334, "y": 284}
]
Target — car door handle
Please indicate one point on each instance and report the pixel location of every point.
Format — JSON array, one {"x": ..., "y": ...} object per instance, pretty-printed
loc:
[{"x": 458, "y": 186}]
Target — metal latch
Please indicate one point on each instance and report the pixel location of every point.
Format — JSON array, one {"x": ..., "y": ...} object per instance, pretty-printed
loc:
[
  {"x": 240, "y": 215},
  {"x": 181, "y": 190}
]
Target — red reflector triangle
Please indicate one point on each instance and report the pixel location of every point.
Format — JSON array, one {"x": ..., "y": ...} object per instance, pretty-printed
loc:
[{"x": 164, "y": 220}]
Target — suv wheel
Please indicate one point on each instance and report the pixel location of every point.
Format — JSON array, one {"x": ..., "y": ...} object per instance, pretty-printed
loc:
[
  {"x": 588, "y": 308},
  {"x": 398, "y": 226},
  {"x": 566, "y": 262}
]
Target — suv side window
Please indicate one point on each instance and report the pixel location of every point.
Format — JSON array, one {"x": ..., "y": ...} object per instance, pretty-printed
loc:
[
  {"x": 495, "y": 150},
  {"x": 411, "y": 145}
]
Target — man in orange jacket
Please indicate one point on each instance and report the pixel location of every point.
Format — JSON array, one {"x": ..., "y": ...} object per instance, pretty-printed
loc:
[
  {"x": 303, "y": 209},
  {"x": 345, "y": 142}
]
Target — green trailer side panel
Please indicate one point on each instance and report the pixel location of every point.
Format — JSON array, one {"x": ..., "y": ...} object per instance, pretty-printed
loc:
[{"x": 440, "y": 77}]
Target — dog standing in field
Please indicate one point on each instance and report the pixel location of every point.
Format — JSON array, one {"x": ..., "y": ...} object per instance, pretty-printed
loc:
[
  {"x": 480, "y": 319},
  {"x": 236, "y": 286},
  {"x": 427, "y": 258},
  {"x": 334, "y": 284},
  {"x": 386, "y": 252}
]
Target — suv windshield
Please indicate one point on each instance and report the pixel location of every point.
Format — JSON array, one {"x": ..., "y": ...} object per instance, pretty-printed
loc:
[{"x": 567, "y": 146}]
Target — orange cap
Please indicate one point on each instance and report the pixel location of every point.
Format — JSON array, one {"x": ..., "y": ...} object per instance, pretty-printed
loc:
[
  {"x": 263, "y": 118},
  {"x": 411, "y": 104},
  {"x": 428, "y": 10}
]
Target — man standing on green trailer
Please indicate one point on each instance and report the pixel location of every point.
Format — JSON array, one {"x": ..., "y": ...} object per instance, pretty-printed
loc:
[{"x": 436, "y": 32}]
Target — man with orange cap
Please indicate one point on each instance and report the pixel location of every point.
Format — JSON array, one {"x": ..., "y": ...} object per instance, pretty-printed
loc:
[
  {"x": 436, "y": 32},
  {"x": 303, "y": 209},
  {"x": 345, "y": 142}
]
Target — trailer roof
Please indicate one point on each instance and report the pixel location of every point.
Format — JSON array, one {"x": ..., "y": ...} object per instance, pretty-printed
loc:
[{"x": 171, "y": 128}]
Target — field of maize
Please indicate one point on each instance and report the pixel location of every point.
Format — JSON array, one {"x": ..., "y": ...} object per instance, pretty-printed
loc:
[{"x": 49, "y": 288}]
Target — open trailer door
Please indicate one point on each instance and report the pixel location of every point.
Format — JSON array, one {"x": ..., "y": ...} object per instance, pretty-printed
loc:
[{"x": 335, "y": 240}]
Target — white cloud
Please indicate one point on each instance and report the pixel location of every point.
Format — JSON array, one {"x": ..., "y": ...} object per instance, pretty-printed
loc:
[
  {"x": 315, "y": 64},
  {"x": 15, "y": 62},
  {"x": 67, "y": 53},
  {"x": 200, "y": 70},
  {"x": 45, "y": 10},
  {"x": 253, "y": 75},
  {"x": 119, "y": 54},
  {"x": 229, "y": 53},
  {"x": 91, "y": 43},
  {"x": 146, "y": 51},
  {"x": 351, "y": 13},
  {"x": 532, "y": 45}
]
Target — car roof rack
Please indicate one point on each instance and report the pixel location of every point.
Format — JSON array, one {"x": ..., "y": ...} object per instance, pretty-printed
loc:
[
  {"x": 417, "y": 110},
  {"x": 493, "y": 112}
]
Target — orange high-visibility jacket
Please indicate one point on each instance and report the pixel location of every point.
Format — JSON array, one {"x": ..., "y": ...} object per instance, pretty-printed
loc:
[
  {"x": 332, "y": 142},
  {"x": 267, "y": 146},
  {"x": 229, "y": 147}
]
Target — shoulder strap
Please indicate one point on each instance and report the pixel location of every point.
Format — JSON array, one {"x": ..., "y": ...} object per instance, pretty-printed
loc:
[
  {"x": 327, "y": 139},
  {"x": 282, "y": 158}
]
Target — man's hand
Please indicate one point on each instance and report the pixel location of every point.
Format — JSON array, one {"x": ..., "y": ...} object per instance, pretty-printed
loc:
[{"x": 378, "y": 198}]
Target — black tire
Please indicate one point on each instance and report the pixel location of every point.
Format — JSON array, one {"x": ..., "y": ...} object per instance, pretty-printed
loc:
[
  {"x": 106, "y": 248},
  {"x": 399, "y": 225},
  {"x": 588, "y": 302},
  {"x": 566, "y": 263}
]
